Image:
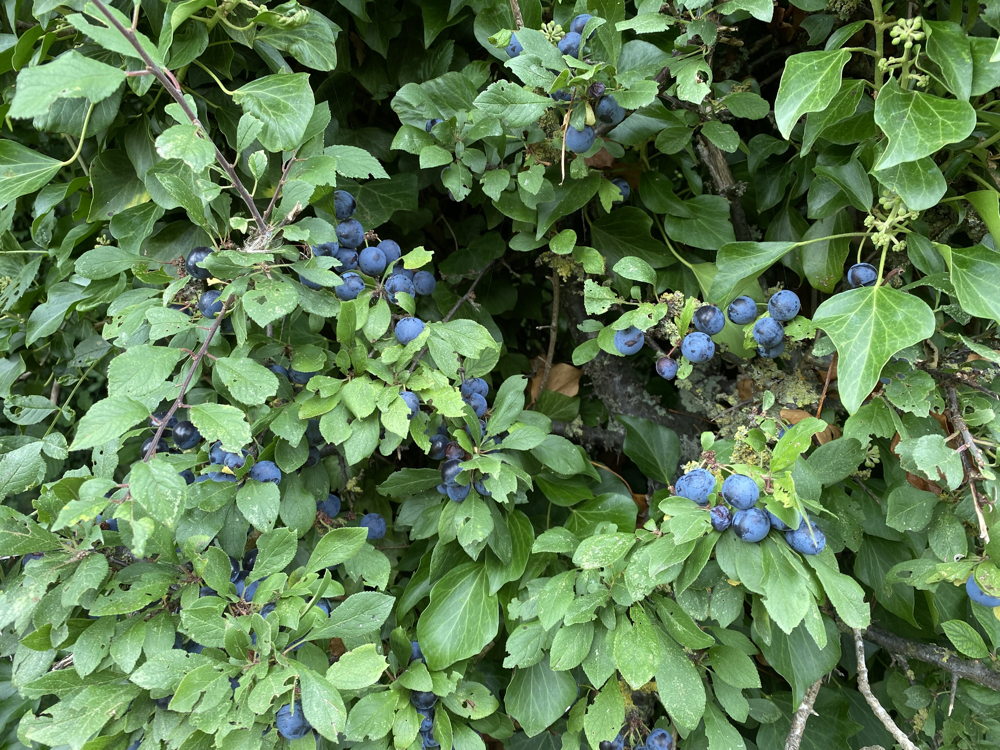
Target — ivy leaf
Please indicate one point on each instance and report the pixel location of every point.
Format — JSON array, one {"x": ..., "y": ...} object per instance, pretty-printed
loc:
[
  {"x": 743, "y": 260},
  {"x": 868, "y": 326},
  {"x": 69, "y": 76},
  {"x": 948, "y": 46},
  {"x": 461, "y": 618},
  {"x": 654, "y": 448},
  {"x": 808, "y": 84},
  {"x": 537, "y": 696},
  {"x": 22, "y": 170},
  {"x": 975, "y": 272},
  {"x": 283, "y": 103},
  {"x": 919, "y": 183},
  {"x": 917, "y": 124}
]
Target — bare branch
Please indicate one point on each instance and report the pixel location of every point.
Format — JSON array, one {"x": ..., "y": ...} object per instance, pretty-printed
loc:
[
  {"x": 866, "y": 691},
  {"x": 516, "y": 10},
  {"x": 973, "y": 671},
  {"x": 169, "y": 82},
  {"x": 462, "y": 300},
  {"x": 553, "y": 332},
  {"x": 794, "y": 740},
  {"x": 976, "y": 464},
  {"x": 281, "y": 184}
]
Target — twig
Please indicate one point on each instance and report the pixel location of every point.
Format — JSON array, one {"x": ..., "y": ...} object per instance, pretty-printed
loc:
[
  {"x": 955, "y": 414},
  {"x": 281, "y": 184},
  {"x": 516, "y": 10},
  {"x": 826, "y": 384},
  {"x": 553, "y": 332},
  {"x": 453, "y": 310},
  {"x": 169, "y": 82},
  {"x": 562, "y": 150},
  {"x": 725, "y": 185},
  {"x": 866, "y": 691},
  {"x": 187, "y": 381},
  {"x": 801, "y": 716},
  {"x": 954, "y": 689}
]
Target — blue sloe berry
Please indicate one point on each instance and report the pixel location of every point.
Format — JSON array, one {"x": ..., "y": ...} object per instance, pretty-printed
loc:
[
  {"x": 630, "y": 340},
  {"x": 742, "y": 310},
  {"x": 740, "y": 491},
  {"x": 698, "y": 347},
  {"x": 695, "y": 485},
  {"x": 768, "y": 332},
  {"x": 784, "y": 305},
  {"x": 751, "y": 525}
]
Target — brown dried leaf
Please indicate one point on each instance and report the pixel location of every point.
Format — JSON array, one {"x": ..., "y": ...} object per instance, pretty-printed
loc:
[{"x": 563, "y": 378}]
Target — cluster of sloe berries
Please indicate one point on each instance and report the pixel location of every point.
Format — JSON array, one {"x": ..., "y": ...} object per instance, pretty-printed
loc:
[
  {"x": 708, "y": 320},
  {"x": 750, "y": 522},
  {"x": 352, "y": 252},
  {"x": 606, "y": 109},
  {"x": 658, "y": 739},
  {"x": 424, "y": 702},
  {"x": 474, "y": 392}
]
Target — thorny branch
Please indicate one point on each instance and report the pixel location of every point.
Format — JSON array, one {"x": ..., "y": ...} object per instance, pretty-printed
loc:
[
  {"x": 281, "y": 184},
  {"x": 195, "y": 361}
]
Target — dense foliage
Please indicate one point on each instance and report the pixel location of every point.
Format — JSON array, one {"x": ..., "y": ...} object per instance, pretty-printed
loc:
[{"x": 467, "y": 372}]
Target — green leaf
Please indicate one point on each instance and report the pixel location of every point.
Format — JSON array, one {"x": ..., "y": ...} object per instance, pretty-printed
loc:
[
  {"x": 720, "y": 732},
  {"x": 461, "y": 618},
  {"x": 809, "y": 82},
  {"x": 22, "y": 170},
  {"x": 948, "y": 46},
  {"x": 358, "y": 615},
  {"x": 537, "y": 696},
  {"x": 356, "y": 163},
  {"x": 314, "y": 44},
  {"x": 679, "y": 684},
  {"x": 919, "y": 183},
  {"x": 222, "y": 422},
  {"x": 508, "y": 404},
  {"x": 918, "y": 124},
  {"x": 798, "y": 659},
  {"x": 371, "y": 716},
  {"x": 868, "y": 326},
  {"x": 975, "y": 272},
  {"x": 20, "y": 537},
  {"x": 515, "y": 105},
  {"x": 249, "y": 381},
  {"x": 710, "y": 227},
  {"x": 743, "y": 260},
  {"x": 722, "y": 135},
  {"x": 259, "y": 502},
  {"x": 605, "y": 715},
  {"x": 635, "y": 269},
  {"x": 141, "y": 370},
  {"x": 931, "y": 457},
  {"x": 357, "y": 669},
  {"x": 284, "y": 103},
  {"x": 69, "y": 76},
  {"x": 184, "y": 142},
  {"x": 655, "y": 449},
  {"x": 965, "y": 638},
  {"x": 159, "y": 489},
  {"x": 21, "y": 469},
  {"x": 637, "y": 648},
  {"x": 108, "y": 420},
  {"x": 845, "y": 594},
  {"x": 602, "y": 550}
]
